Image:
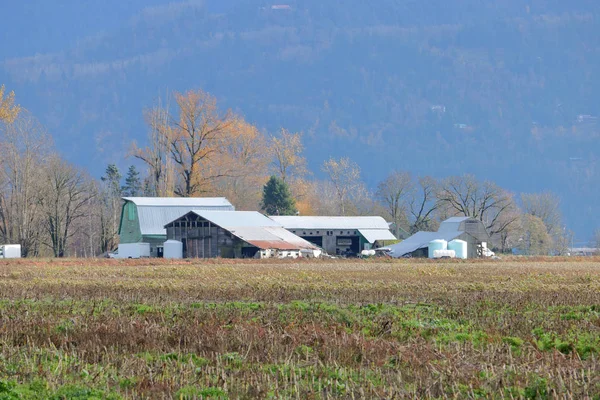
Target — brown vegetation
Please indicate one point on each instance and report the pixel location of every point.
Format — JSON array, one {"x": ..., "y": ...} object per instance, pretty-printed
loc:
[{"x": 302, "y": 329}]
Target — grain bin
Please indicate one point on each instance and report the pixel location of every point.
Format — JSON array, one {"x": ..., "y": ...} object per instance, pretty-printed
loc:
[
  {"x": 459, "y": 247},
  {"x": 437, "y": 244},
  {"x": 173, "y": 249}
]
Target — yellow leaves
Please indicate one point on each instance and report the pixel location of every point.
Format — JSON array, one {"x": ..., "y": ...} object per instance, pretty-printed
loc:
[
  {"x": 8, "y": 109},
  {"x": 287, "y": 154}
]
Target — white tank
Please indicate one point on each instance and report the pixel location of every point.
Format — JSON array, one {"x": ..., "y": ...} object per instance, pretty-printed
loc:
[
  {"x": 173, "y": 249},
  {"x": 437, "y": 244},
  {"x": 459, "y": 247}
]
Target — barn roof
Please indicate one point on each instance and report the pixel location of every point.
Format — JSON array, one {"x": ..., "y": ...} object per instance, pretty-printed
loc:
[
  {"x": 256, "y": 229},
  {"x": 374, "y": 235},
  {"x": 302, "y": 222},
  {"x": 420, "y": 240},
  {"x": 155, "y": 212}
]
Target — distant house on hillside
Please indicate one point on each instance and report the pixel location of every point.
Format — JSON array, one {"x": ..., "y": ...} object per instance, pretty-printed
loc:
[
  {"x": 471, "y": 230},
  {"x": 143, "y": 219}
]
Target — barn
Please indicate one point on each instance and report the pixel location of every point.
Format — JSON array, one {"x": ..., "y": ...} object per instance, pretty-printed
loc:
[
  {"x": 143, "y": 219},
  {"x": 236, "y": 234},
  {"x": 470, "y": 230},
  {"x": 345, "y": 236}
]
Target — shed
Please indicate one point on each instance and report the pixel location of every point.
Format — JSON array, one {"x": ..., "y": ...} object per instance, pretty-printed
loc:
[
  {"x": 143, "y": 219},
  {"x": 235, "y": 234},
  {"x": 471, "y": 230},
  {"x": 339, "y": 235}
]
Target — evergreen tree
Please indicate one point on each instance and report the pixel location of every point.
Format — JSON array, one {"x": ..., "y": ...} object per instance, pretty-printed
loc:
[
  {"x": 112, "y": 178},
  {"x": 133, "y": 183},
  {"x": 277, "y": 199}
]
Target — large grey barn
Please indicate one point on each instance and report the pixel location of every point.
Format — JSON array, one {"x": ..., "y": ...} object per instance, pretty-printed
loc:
[
  {"x": 471, "y": 230},
  {"x": 235, "y": 234},
  {"x": 339, "y": 235}
]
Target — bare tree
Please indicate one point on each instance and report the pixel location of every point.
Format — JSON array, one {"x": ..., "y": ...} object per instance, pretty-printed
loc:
[
  {"x": 288, "y": 156},
  {"x": 156, "y": 155},
  {"x": 24, "y": 150},
  {"x": 466, "y": 196},
  {"x": 545, "y": 206},
  {"x": 597, "y": 240},
  {"x": 67, "y": 193},
  {"x": 344, "y": 175},
  {"x": 198, "y": 133},
  {"x": 423, "y": 205},
  {"x": 394, "y": 192}
]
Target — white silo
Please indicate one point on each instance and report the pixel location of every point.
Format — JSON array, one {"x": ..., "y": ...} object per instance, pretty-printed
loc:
[
  {"x": 437, "y": 244},
  {"x": 459, "y": 247}
]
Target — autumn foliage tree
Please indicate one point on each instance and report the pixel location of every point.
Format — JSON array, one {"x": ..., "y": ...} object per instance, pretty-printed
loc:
[{"x": 8, "y": 109}]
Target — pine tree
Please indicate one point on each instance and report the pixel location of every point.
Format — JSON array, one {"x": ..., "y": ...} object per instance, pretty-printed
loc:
[
  {"x": 277, "y": 199},
  {"x": 112, "y": 178},
  {"x": 133, "y": 183}
]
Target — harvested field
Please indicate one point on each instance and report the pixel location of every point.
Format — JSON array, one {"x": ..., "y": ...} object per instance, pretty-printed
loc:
[{"x": 516, "y": 328}]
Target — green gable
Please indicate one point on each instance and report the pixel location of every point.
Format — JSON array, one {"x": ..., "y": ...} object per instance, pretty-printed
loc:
[{"x": 129, "y": 227}]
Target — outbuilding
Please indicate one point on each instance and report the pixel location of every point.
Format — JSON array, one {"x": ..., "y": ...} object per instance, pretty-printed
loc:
[
  {"x": 236, "y": 234},
  {"x": 470, "y": 230},
  {"x": 143, "y": 219},
  {"x": 345, "y": 236}
]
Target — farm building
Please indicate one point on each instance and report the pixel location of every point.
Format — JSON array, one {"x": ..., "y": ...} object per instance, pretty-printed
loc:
[
  {"x": 346, "y": 236},
  {"x": 470, "y": 230},
  {"x": 143, "y": 219},
  {"x": 235, "y": 234}
]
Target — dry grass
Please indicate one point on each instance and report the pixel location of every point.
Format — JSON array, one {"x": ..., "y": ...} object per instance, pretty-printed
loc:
[{"x": 516, "y": 328}]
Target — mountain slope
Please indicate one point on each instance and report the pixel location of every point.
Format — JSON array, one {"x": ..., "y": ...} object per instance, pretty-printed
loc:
[{"x": 505, "y": 90}]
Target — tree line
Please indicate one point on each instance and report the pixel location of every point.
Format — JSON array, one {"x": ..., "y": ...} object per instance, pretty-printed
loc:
[{"x": 54, "y": 208}]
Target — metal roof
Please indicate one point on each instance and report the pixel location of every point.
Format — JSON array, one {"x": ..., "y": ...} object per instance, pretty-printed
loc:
[
  {"x": 452, "y": 224},
  {"x": 373, "y": 235},
  {"x": 180, "y": 201},
  {"x": 420, "y": 240},
  {"x": 302, "y": 222},
  {"x": 231, "y": 219},
  {"x": 155, "y": 212},
  {"x": 256, "y": 229}
]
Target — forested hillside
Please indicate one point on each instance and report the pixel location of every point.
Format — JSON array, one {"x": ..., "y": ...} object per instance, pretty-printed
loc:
[{"x": 504, "y": 90}]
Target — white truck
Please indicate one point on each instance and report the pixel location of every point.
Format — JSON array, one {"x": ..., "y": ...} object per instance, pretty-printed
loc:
[
  {"x": 10, "y": 251},
  {"x": 133, "y": 250}
]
